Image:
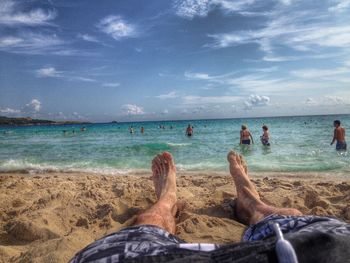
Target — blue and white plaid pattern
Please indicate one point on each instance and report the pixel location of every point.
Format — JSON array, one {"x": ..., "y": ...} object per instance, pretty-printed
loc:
[
  {"x": 292, "y": 224},
  {"x": 147, "y": 240}
]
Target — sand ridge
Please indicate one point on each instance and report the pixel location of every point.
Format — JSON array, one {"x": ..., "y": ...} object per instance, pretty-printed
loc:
[{"x": 49, "y": 217}]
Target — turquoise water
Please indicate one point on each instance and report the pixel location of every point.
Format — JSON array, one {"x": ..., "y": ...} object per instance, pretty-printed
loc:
[{"x": 298, "y": 144}]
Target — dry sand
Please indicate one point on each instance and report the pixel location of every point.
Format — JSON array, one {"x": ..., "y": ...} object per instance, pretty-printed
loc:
[{"x": 49, "y": 217}]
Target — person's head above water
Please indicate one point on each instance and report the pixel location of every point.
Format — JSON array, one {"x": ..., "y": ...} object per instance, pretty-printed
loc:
[
  {"x": 336, "y": 123},
  {"x": 265, "y": 128},
  {"x": 189, "y": 125},
  {"x": 244, "y": 127}
]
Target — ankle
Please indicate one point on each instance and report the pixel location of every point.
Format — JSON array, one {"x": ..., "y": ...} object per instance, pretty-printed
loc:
[
  {"x": 257, "y": 212},
  {"x": 168, "y": 199}
]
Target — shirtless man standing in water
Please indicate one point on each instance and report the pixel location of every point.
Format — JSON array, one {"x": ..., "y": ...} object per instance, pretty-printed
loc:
[
  {"x": 189, "y": 130},
  {"x": 339, "y": 136}
]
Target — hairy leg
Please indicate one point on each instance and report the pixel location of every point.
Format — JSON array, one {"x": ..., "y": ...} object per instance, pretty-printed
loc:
[
  {"x": 162, "y": 213},
  {"x": 249, "y": 207}
]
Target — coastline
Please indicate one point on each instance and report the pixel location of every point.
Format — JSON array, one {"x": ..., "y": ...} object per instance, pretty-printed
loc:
[
  {"x": 6, "y": 122},
  {"x": 332, "y": 175},
  {"x": 50, "y": 216}
]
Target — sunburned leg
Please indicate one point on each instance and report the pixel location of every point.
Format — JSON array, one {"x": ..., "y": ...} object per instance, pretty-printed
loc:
[
  {"x": 249, "y": 208},
  {"x": 162, "y": 213}
]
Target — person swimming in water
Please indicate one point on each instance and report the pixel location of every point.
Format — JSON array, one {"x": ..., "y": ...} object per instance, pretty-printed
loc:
[
  {"x": 142, "y": 129},
  {"x": 189, "y": 130},
  {"x": 266, "y": 136},
  {"x": 339, "y": 136},
  {"x": 246, "y": 136},
  {"x": 131, "y": 130}
]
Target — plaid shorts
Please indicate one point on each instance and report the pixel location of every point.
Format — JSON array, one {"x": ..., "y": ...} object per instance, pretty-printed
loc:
[{"x": 146, "y": 240}]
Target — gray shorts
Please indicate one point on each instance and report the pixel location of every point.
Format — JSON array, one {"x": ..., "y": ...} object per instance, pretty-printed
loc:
[{"x": 147, "y": 241}]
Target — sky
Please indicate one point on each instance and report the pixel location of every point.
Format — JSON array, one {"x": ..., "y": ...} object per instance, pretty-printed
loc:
[{"x": 133, "y": 60}]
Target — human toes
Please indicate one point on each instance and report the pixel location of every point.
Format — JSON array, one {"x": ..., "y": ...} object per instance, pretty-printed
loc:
[
  {"x": 231, "y": 156},
  {"x": 156, "y": 164},
  {"x": 163, "y": 163},
  {"x": 168, "y": 159},
  {"x": 241, "y": 161}
]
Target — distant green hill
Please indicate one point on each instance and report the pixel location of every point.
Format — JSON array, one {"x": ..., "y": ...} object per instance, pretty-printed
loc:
[{"x": 30, "y": 121}]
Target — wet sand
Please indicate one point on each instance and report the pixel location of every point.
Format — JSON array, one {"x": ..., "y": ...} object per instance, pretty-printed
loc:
[{"x": 49, "y": 217}]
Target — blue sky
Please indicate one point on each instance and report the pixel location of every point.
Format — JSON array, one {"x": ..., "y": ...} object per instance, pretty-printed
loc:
[{"x": 131, "y": 60}]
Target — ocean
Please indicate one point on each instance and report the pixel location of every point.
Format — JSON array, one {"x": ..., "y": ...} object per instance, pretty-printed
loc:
[{"x": 298, "y": 144}]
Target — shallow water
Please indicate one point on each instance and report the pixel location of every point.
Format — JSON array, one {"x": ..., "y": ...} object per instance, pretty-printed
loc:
[{"x": 298, "y": 144}]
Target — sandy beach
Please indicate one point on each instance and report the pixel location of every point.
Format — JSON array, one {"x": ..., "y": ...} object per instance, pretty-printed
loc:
[{"x": 49, "y": 217}]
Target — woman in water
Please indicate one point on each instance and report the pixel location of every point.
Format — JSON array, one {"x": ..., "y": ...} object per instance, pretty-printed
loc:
[
  {"x": 246, "y": 136},
  {"x": 266, "y": 136}
]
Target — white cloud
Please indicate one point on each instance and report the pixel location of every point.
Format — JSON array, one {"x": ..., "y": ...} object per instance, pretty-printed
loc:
[
  {"x": 31, "y": 43},
  {"x": 249, "y": 82},
  {"x": 274, "y": 58},
  {"x": 61, "y": 116},
  {"x": 77, "y": 115},
  {"x": 170, "y": 95},
  {"x": 66, "y": 116},
  {"x": 294, "y": 26},
  {"x": 33, "y": 106},
  {"x": 325, "y": 36},
  {"x": 51, "y": 72},
  {"x": 200, "y": 76},
  {"x": 335, "y": 100},
  {"x": 319, "y": 73},
  {"x": 64, "y": 51},
  {"x": 88, "y": 38},
  {"x": 286, "y": 2},
  {"x": 48, "y": 72},
  {"x": 267, "y": 83},
  {"x": 117, "y": 28},
  {"x": 209, "y": 99},
  {"x": 266, "y": 69},
  {"x": 231, "y": 39},
  {"x": 10, "y": 41},
  {"x": 164, "y": 112},
  {"x": 221, "y": 79},
  {"x": 310, "y": 101},
  {"x": 131, "y": 109},
  {"x": 256, "y": 101},
  {"x": 79, "y": 78},
  {"x": 192, "y": 8},
  {"x": 10, "y": 111},
  {"x": 11, "y": 16},
  {"x": 341, "y": 6},
  {"x": 111, "y": 84},
  {"x": 327, "y": 101}
]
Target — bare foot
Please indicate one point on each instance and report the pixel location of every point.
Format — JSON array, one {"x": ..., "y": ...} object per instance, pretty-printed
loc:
[
  {"x": 247, "y": 197},
  {"x": 164, "y": 176},
  {"x": 249, "y": 208},
  {"x": 239, "y": 172}
]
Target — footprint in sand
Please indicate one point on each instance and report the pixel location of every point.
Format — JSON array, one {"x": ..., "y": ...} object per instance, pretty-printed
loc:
[{"x": 27, "y": 231}]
